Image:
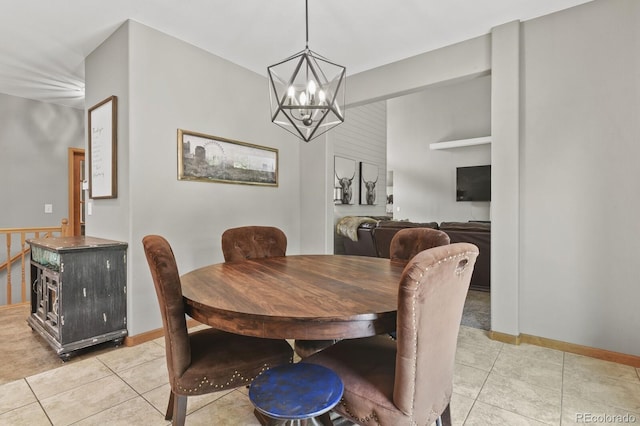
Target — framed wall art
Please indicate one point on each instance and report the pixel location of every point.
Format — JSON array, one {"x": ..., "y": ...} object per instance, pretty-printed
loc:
[
  {"x": 103, "y": 171},
  {"x": 368, "y": 181},
  {"x": 344, "y": 175},
  {"x": 214, "y": 159}
]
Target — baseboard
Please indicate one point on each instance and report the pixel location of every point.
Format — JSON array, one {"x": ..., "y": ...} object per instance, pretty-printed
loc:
[
  {"x": 152, "y": 334},
  {"x": 603, "y": 354},
  {"x": 504, "y": 337},
  {"x": 620, "y": 358}
]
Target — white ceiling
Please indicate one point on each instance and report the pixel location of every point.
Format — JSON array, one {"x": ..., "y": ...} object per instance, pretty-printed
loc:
[{"x": 43, "y": 43}]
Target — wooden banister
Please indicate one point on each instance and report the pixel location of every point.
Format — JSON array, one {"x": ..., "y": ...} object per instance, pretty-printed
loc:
[
  {"x": 24, "y": 234},
  {"x": 15, "y": 257}
]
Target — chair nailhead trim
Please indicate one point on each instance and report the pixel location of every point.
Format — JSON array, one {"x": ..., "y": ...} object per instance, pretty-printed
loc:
[
  {"x": 235, "y": 377},
  {"x": 372, "y": 416}
]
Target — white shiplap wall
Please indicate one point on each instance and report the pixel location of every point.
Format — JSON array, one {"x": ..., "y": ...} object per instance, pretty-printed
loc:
[{"x": 363, "y": 138}]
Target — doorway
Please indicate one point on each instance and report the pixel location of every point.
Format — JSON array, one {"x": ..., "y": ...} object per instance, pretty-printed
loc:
[{"x": 76, "y": 191}]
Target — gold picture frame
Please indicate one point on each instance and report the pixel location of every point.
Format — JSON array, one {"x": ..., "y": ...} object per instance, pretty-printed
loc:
[{"x": 209, "y": 158}]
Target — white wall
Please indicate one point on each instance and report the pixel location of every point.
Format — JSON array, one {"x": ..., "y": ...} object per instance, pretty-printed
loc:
[
  {"x": 424, "y": 187},
  {"x": 362, "y": 138},
  {"x": 174, "y": 85}
]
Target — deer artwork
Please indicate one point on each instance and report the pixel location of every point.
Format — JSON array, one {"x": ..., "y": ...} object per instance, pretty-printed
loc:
[
  {"x": 370, "y": 185},
  {"x": 345, "y": 185}
]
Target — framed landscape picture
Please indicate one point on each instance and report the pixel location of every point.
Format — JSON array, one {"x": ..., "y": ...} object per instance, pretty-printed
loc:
[{"x": 214, "y": 159}]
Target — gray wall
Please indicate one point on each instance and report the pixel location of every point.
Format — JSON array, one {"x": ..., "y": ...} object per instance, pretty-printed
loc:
[
  {"x": 167, "y": 84},
  {"x": 424, "y": 180},
  {"x": 565, "y": 95},
  {"x": 565, "y": 192},
  {"x": 580, "y": 183},
  {"x": 107, "y": 74},
  {"x": 34, "y": 141},
  {"x": 316, "y": 212}
]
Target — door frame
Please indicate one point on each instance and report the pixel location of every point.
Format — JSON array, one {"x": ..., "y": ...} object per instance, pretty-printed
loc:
[{"x": 74, "y": 174}]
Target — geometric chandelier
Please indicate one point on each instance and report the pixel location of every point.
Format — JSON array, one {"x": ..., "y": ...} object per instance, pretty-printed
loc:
[{"x": 307, "y": 92}]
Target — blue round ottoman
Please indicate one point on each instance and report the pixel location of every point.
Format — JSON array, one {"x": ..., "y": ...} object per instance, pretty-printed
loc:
[{"x": 296, "y": 391}]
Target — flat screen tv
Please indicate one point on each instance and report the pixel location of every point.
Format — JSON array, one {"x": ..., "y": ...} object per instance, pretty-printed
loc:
[{"x": 473, "y": 183}]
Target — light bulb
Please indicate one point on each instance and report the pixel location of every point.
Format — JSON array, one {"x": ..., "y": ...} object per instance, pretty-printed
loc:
[
  {"x": 303, "y": 98},
  {"x": 312, "y": 87},
  {"x": 321, "y": 96},
  {"x": 291, "y": 92}
]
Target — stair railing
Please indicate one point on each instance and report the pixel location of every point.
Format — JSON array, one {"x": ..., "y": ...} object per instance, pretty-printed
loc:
[{"x": 19, "y": 255}]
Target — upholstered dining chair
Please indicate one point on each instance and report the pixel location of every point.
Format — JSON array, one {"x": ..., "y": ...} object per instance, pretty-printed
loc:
[
  {"x": 208, "y": 360},
  {"x": 408, "y": 381},
  {"x": 408, "y": 242},
  {"x": 250, "y": 242}
]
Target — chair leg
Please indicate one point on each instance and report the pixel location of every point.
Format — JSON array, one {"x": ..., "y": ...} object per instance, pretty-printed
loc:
[
  {"x": 445, "y": 417},
  {"x": 176, "y": 409},
  {"x": 265, "y": 420},
  {"x": 169, "y": 414},
  {"x": 325, "y": 419}
]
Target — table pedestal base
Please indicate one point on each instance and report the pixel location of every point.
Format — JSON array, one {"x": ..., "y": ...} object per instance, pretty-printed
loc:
[{"x": 323, "y": 420}]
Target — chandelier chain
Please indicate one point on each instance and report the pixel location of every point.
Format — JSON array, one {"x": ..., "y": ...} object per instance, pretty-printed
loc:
[{"x": 306, "y": 14}]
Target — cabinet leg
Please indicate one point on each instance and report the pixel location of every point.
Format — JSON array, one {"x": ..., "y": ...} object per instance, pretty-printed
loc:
[{"x": 118, "y": 342}]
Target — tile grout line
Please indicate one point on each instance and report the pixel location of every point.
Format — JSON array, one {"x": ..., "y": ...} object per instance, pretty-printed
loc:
[
  {"x": 38, "y": 401},
  {"x": 562, "y": 387},
  {"x": 509, "y": 411},
  {"x": 150, "y": 390},
  {"x": 115, "y": 374},
  {"x": 483, "y": 384}
]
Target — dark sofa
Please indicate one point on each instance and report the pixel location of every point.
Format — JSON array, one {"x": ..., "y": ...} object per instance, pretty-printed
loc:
[
  {"x": 478, "y": 233},
  {"x": 374, "y": 238}
]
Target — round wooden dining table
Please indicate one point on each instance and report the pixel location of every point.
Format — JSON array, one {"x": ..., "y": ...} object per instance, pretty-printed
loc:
[{"x": 296, "y": 297}]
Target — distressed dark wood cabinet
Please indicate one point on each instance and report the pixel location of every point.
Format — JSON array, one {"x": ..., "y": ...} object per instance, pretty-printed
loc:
[{"x": 78, "y": 292}]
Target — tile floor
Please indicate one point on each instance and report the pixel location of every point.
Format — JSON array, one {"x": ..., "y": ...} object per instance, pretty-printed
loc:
[{"x": 494, "y": 384}]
